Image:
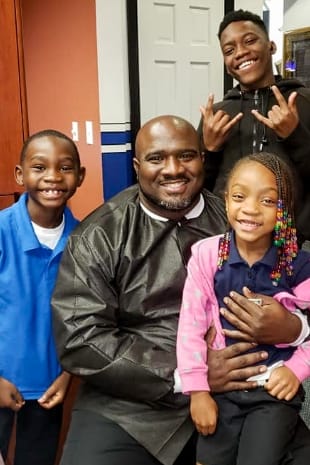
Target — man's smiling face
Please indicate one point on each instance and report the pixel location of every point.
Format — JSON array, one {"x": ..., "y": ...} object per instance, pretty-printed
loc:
[{"x": 169, "y": 166}]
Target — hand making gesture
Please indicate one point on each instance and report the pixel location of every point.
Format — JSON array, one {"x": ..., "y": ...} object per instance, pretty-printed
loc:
[
  {"x": 282, "y": 118},
  {"x": 216, "y": 126}
]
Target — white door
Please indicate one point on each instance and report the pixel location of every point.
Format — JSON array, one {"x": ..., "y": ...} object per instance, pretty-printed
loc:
[{"x": 180, "y": 61}]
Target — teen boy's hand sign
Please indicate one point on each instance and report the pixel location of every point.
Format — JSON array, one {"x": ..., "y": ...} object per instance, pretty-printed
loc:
[
  {"x": 10, "y": 397},
  {"x": 282, "y": 118},
  {"x": 216, "y": 126}
]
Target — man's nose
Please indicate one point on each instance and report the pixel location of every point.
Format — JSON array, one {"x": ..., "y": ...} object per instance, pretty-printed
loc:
[{"x": 173, "y": 166}]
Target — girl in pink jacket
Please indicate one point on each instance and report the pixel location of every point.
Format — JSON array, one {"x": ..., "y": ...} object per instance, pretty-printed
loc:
[{"x": 260, "y": 253}]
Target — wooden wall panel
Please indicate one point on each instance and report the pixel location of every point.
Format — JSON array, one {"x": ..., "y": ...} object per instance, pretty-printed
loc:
[{"x": 13, "y": 126}]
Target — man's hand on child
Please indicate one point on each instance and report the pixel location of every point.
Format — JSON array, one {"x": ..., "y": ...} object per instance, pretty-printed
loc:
[
  {"x": 55, "y": 394},
  {"x": 283, "y": 383},
  {"x": 269, "y": 323},
  {"x": 204, "y": 412},
  {"x": 229, "y": 368},
  {"x": 10, "y": 397}
]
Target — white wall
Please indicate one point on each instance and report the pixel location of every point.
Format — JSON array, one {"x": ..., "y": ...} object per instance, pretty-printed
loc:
[
  {"x": 296, "y": 14},
  {"x": 112, "y": 61},
  {"x": 276, "y": 27},
  {"x": 255, "y": 6}
]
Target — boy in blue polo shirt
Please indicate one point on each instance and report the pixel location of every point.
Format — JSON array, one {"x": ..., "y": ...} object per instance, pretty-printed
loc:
[{"x": 33, "y": 233}]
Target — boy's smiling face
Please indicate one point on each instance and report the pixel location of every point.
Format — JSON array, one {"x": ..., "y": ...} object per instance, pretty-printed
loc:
[
  {"x": 247, "y": 53},
  {"x": 50, "y": 172}
]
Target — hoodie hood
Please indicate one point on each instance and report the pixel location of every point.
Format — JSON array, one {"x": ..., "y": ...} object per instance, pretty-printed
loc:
[{"x": 284, "y": 85}]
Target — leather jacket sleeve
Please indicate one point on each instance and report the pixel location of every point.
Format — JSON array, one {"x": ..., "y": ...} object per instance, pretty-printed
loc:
[{"x": 91, "y": 339}]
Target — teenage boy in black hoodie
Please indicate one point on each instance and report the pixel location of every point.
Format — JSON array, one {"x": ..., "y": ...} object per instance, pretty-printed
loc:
[{"x": 263, "y": 112}]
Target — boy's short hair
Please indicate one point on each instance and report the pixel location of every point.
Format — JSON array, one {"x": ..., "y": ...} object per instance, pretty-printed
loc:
[
  {"x": 241, "y": 15},
  {"x": 46, "y": 133}
]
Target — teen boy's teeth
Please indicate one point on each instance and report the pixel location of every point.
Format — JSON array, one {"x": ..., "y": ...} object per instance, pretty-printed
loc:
[{"x": 246, "y": 63}]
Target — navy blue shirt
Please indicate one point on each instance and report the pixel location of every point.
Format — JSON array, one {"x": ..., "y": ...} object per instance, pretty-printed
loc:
[{"x": 236, "y": 274}]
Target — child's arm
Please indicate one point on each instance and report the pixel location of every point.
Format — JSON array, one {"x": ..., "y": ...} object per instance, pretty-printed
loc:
[
  {"x": 194, "y": 320},
  {"x": 10, "y": 397},
  {"x": 282, "y": 384},
  {"x": 204, "y": 412},
  {"x": 55, "y": 394},
  {"x": 298, "y": 299}
]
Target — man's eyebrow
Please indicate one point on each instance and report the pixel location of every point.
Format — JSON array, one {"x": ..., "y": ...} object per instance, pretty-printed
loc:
[
  {"x": 164, "y": 152},
  {"x": 155, "y": 152}
]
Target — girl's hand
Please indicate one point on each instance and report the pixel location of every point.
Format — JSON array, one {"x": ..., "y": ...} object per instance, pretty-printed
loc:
[
  {"x": 204, "y": 412},
  {"x": 55, "y": 394},
  {"x": 282, "y": 384}
]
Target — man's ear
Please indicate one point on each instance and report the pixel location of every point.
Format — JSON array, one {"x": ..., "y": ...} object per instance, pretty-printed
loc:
[
  {"x": 136, "y": 165},
  {"x": 273, "y": 47},
  {"x": 18, "y": 173}
]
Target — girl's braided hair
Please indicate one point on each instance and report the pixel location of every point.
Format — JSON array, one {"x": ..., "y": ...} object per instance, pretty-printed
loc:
[{"x": 284, "y": 234}]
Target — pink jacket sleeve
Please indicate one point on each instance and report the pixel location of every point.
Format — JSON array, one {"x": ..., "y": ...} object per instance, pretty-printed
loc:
[
  {"x": 299, "y": 363},
  {"x": 196, "y": 316}
]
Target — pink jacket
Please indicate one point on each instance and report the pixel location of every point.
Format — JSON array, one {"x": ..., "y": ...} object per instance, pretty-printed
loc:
[{"x": 200, "y": 310}]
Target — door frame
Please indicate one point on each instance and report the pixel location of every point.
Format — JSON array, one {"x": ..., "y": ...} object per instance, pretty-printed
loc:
[{"x": 133, "y": 63}]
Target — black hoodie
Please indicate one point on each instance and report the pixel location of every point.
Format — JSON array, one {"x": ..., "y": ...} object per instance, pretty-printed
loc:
[{"x": 249, "y": 136}]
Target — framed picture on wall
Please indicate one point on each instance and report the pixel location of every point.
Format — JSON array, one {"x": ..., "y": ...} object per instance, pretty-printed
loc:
[{"x": 296, "y": 55}]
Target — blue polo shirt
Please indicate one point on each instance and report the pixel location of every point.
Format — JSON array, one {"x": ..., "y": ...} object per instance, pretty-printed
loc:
[
  {"x": 236, "y": 274},
  {"x": 27, "y": 277}
]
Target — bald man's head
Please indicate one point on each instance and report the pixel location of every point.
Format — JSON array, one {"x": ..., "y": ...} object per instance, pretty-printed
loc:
[
  {"x": 160, "y": 125},
  {"x": 169, "y": 165}
]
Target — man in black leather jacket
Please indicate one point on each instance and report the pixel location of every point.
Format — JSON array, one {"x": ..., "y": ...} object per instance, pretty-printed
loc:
[
  {"x": 116, "y": 307},
  {"x": 263, "y": 112}
]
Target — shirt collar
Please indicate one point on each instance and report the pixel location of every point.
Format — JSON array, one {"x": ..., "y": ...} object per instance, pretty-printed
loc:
[
  {"x": 269, "y": 259},
  {"x": 193, "y": 213}
]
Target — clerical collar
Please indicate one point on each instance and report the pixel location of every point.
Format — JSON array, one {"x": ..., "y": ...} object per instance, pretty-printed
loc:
[{"x": 193, "y": 213}]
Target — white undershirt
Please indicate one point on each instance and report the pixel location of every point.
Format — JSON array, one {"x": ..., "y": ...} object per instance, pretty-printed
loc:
[
  {"x": 193, "y": 213},
  {"x": 49, "y": 236}
]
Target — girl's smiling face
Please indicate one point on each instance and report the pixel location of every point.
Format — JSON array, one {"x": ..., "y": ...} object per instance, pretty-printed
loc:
[{"x": 251, "y": 204}]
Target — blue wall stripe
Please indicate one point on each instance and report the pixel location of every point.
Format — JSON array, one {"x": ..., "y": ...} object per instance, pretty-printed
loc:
[
  {"x": 117, "y": 172},
  {"x": 117, "y": 137},
  {"x": 117, "y": 155}
]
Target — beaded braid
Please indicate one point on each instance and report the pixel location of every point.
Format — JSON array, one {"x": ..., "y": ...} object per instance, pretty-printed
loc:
[{"x": 284, "y": 235}]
